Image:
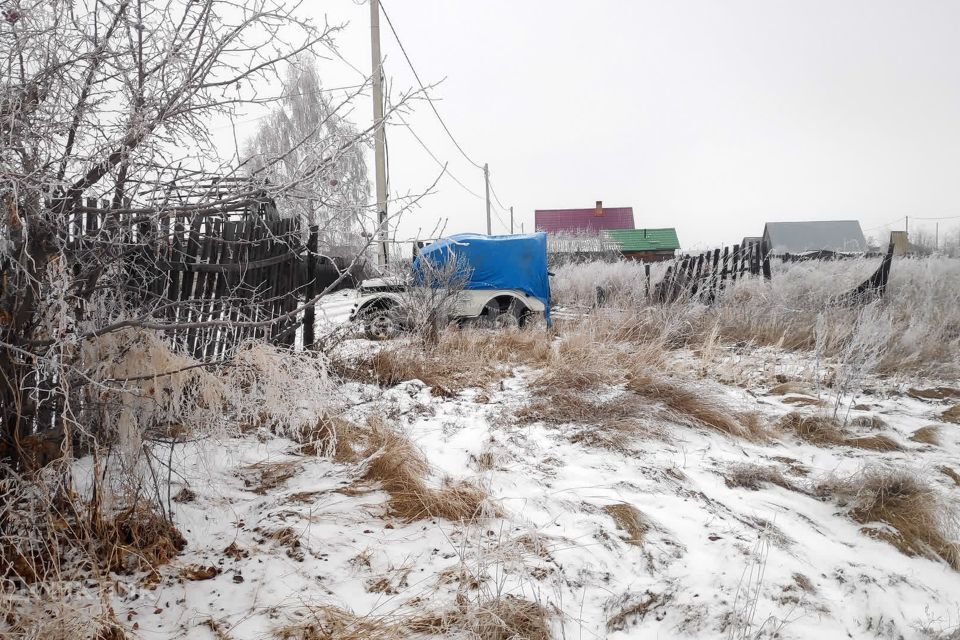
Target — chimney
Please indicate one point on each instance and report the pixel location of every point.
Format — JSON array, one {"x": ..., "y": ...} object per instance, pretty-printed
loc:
[{"x": 598, "y": 212}]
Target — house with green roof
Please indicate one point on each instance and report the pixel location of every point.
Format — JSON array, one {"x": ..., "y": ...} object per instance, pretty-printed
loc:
[{"x": 646, "y": 245}]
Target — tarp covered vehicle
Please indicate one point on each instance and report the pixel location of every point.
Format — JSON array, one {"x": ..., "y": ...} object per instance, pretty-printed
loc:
[{"x": 501, "y": 280}]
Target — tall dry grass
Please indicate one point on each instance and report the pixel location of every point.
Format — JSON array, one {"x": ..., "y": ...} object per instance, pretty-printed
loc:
[
  {"x": 923, "y": 523},
  {"x": 916, "y": 326},
  {"x": 402, "y": 471}
]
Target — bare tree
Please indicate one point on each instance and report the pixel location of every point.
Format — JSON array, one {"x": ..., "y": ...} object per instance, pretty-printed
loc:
[{"x": 105, "y": 113}]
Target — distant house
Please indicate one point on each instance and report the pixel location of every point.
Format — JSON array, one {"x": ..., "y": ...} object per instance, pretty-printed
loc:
[
  {"x": 840, "y": 236},
  {"x": 751, "y": 241},
  {"x": 594, "y": 220},
  {"x": 647, "y": 245}
]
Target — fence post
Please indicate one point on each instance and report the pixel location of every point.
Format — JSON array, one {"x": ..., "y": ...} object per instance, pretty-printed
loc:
[{"x": 309, "y": 314}]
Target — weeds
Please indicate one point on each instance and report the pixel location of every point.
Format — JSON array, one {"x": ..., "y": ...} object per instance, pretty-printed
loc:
[
  {"x": 754, "y": 476},
  {"x": 394, "y": 462},
  {"x": 823, "y": 431},
  {"x": 923, "y": 524},
  {"x": 630, "y": 520},
  {"x": 927, "y": 435}
]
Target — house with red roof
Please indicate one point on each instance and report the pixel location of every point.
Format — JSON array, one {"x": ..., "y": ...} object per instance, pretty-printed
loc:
[{"x": 594, "y": 220}]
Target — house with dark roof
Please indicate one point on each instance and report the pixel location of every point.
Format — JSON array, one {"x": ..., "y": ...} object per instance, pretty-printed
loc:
[
  {"x": 838, "y": 236},
  {"x": 594, "y": 220},
  {"x": 646, "y": 245}
]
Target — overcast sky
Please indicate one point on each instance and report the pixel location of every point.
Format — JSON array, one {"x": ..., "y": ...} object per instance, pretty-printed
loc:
[{"x": 712, "y": 117}]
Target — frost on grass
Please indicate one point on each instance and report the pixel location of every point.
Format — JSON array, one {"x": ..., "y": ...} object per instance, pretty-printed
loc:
[
  {"x": 919, "y": 521},
  {"x": 824, "y": 430},
  {"x": 402, "y": 471}
]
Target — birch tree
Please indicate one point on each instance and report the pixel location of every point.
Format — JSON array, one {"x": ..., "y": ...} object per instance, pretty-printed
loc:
[{"x": 300, "y": 143}]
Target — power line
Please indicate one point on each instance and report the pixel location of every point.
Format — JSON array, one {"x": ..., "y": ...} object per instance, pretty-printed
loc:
[
  {"x": 880, "y": 226},
  {"x": 425, "y": 92},
  {"x": 496, "y": 197},
  {"x": 438, "y": 161}
]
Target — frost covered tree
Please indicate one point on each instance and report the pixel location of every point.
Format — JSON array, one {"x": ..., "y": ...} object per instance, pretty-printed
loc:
[
  {"x": 106, "y": 111},
  {"x": 303, "y": 143}
]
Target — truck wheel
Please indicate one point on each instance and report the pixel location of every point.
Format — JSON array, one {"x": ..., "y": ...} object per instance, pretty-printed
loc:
[
  {"x": 511, "y": 317},
  {"x": 381, "y": 324}
]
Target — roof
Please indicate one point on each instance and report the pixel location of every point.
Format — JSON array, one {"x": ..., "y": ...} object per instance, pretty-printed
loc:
[
  {"x": 572, "y": 220},
  {"x": 831, "y": 235},
  {"x": 630, "y": 240}
]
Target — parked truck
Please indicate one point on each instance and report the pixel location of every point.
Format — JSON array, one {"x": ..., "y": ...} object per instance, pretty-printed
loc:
[{"x": 499, "y": 280}]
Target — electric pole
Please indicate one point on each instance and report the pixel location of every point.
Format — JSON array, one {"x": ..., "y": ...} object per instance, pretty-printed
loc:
[
  {"x": 380, "y": 156},
  {"x": 511, "y": 220},
  {"x": 486, "y": 180}
]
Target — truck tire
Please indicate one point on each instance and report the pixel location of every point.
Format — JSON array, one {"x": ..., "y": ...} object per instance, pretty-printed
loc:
[
  {"x": 510, "y": 317},
  {"x": 381, "y": 324}
]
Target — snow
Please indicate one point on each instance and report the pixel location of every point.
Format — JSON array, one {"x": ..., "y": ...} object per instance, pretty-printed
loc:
[{"x": 710, "y": 550}]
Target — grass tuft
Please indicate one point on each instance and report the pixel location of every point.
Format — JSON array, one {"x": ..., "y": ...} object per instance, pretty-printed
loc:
[
  {"x": 927, "y": 435},
  {"x": 630, "y": 520},
  {"x": 923, "y": 525},
  {"x": 824, "y": 431},
  {"x": 401, "y": 470},
  {"x": 754, "y": 476},
  {"x": 697, "y": 407}
]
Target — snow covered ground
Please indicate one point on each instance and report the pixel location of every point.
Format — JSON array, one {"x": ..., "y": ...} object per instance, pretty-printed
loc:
[{"x": 275, "y": 534}]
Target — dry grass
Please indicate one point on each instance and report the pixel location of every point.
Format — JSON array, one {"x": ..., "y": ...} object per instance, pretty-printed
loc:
[
  {"x": 460, "y": 359},
  {"x": 936, "y": 393},
  {"x": 137, "y": 538},
  {"x": 333, "y": 623},
  {"x": 505, "y": 617},
  {"x": 614, "y": 424},
  {"x": 216, "y": 628},
  {"x": 787, "y": 388},
  {"x": 401, "y": 470},
  {"x": 823, "y": 431},
  {"x": 508, "y": 618},
  {"x": 630, "y": 520},
  {"x": 951, "y": 415},
  {"x": 635, "y": 608},
  {"x": 927, "y": 435},
  {"x": 923, "y": 524},
  {"x": 869, "y": 422},
  {"x": 488, "y": 617},
  {"x": 56, "y": 611},
  {"x": 699, "y": 408},
  {"x": 335, "y": 437},
  {"x": 269, "y": 475},
  {"x": 950, "y": 473},
  {"x": 754, "y": 476}
]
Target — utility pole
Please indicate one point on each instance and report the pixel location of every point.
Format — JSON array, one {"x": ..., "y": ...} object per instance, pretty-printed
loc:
[
  {"x": 380, "y": 156},
  {"x": 511, "y": 220},
  {"x": 906, "y": 225},
  {"x": 486, "y": 180}
]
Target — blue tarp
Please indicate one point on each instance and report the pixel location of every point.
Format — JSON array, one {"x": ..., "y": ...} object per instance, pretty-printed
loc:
[{"x": 494, "y": 262}]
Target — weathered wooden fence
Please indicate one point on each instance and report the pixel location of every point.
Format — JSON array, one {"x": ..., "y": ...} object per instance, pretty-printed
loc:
[
  {"x": 704, "y": 275},
  {"x": 219, "y": 279},
  {"x": 213, "y": 279}
]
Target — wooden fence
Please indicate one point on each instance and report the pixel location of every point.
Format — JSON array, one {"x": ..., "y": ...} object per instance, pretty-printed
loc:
[
  {"x": 215, "y": 279},
  {"x": 218, "y": 278},
  {"x": 703, "y": 276}
]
